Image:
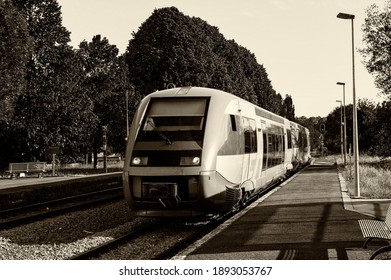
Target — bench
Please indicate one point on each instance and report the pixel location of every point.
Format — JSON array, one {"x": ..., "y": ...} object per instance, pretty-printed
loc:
[
  {"x": 27, "y": 167},
  {"x": 372, "y": 229}
]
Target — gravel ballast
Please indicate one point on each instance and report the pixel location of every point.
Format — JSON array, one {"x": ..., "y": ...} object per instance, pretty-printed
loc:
[{"x": 61, "y": 237}]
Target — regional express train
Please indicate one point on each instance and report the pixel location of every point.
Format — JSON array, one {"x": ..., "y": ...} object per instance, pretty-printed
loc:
[{"x": 198, "y": 151}]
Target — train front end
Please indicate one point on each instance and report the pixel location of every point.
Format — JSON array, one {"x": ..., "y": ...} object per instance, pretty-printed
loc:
[{"x": 167, "y": 171}]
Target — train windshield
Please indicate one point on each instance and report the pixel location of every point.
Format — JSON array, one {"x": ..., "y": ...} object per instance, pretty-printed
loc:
[
  {"x": 172, "y": 128},
  {"x": 179, "y": 114}
]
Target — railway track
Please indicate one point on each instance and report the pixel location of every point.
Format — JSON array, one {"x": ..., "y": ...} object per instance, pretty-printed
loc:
[
  {"x": 138, "y": 235},
  {"x": 176, "y": 243},
  {"x": 115, "y": 243},
  {"x": 30, "y": 213},
  {"x": 188, "y": 234}
]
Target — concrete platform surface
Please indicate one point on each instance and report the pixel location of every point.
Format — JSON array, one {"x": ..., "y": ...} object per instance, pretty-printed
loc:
[
  {"x": 304, "y": 219},
  {"x": 13, "y": 184}
]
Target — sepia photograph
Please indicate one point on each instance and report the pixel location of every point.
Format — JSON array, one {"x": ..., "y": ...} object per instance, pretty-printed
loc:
[{"x": 181, "y": 138}]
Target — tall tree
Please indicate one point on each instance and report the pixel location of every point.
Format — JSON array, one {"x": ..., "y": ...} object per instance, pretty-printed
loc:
[
  {"x": 170, "y": 47},
  {"x": 106, "y": 83},
  {"x": 313, "y": 124},
  {"x": 366, "y": 117},
  {"x": 287, "y": 108},
  {"x": 14, "y": 50},
  {"x": 381, "y": 131},
  {"x": 377, "y": 53},
  {"x": 53, "y": 111}
]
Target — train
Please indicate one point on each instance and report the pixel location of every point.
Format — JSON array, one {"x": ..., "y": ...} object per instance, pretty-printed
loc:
[{"x": 194, "y": 151}]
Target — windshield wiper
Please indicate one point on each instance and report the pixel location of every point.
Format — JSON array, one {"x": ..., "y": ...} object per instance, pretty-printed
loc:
[{"x": 168, "y": 141}]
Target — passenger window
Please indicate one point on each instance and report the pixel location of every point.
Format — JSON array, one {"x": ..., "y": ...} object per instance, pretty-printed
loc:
[
  {"x": 233, "y": 122},
  {"x": 276, "y": 146},
  {"x": 250, "y": 136},
  {"x": 265, "y": 145},
  {"x": 289, "y": 136},
  {"x": 234, "y": 140}
]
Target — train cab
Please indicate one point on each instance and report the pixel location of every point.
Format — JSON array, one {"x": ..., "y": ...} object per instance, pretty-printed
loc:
[{"x": 198, "y": 151}]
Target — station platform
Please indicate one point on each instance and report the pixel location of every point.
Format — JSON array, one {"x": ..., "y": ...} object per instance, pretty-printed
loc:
[
  {"x": 20, "y": 192},
  {"x": 309, "y": 217},
  {"x": 10, "y": 185}
]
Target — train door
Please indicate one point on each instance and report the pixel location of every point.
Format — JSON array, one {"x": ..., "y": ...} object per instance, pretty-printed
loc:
[
  {"x": 250, "y": 148},
  {"x": 264, "y": 152}
]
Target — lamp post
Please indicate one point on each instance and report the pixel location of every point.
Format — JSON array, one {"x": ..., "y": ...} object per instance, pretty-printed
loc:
[
  {"x": 127, "y": 113},
  {"x": 131, "y": 90},
  {"x": 355, "y": 128},
  {"x": 344, "y": 124},
  {"x": 341, "y": 140}
]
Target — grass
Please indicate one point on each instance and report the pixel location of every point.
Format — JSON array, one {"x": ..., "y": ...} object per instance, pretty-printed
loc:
[{"x": 375, "y": 175}]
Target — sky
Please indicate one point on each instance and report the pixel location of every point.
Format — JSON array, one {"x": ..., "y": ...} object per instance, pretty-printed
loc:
[{"x": 303, "y": 46}]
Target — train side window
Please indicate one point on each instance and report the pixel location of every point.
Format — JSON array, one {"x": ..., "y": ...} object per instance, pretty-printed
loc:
[
  {"x": 247, "y": 136},
  {"x": 233, "y": 122},
  {"x": 253, "y": 136},
  {"x": 283, "y": 146},
  {"x": 294, "y": 139},
  {"x": 233, "y": 136},
  {"x": 265, "y": 145},
  {"x": 300, "y": 140},
  {"x": 276, "y": 146},
  {"x": 289, "y": 138},
  {"x": 270, "y": 150},
  {"x": 305, "y": 143},
  {"x": 250, "y": 136}
]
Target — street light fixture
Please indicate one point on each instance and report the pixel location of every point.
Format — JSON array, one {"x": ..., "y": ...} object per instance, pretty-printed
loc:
[
  {"x": 340, "y": 105},
  {"x": 344, "y": 124},
  {"x": 355, "y": 128},
  {"x": 345, "y": 16}
]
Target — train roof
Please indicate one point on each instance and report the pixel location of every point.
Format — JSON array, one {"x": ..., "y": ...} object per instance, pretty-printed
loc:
[{"x": 190, "y": 91}]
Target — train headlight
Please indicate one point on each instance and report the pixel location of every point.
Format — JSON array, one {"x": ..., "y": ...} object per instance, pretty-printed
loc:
[
  {"x": 196, "y": 161},
  {"x": 190, "y": 161},
  {"x": 139, "y": 161}
]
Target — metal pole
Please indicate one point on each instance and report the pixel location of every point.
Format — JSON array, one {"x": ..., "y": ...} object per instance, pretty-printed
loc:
[
  {"x": 53, "y": 164},
  {"x": 344, "y": 127},
  {"x": 105, "y": 148},
  {"x": 355, "y": 126},
  {"x": 341, "y": 133},
  {"x": 127, "y": 114},
  {"x": 344, "y": 124}
]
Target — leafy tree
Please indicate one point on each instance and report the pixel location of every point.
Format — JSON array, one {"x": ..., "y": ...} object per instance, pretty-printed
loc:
[
  {"x": 333, "y": 131},
  {"x": 54, "y": 110},
  {"x": 58, "y": 112},
  {"x": 170, "y": 47},
  {"x": 287, "y": 108},
  {"x": 313, "y": 125},
  {"x": 381, "y": 130},
  {"x": 106, "y": 83},
  {"x": 377, "y": 53},
  {"x": 116, "y": 113},
  {"x": 14, "y": 49},
  {"x": 366, "y": 117},
  {"x": 163, "y": 51},
  {"x": 266, "y": 95},
  {"x": 369, "y": 127}
]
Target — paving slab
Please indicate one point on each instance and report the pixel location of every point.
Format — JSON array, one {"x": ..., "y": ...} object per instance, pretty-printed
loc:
[{"x": 305, "y": 219}]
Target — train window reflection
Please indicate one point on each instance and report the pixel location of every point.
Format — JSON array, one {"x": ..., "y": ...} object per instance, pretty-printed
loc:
[
  {"x": 233, "y": 136},
  {"x": 176, "y": 114},
  {"x": 250, "y": 136},
  {"x": 174, "y": 123},
  {"x": 276, "y": 146}
]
